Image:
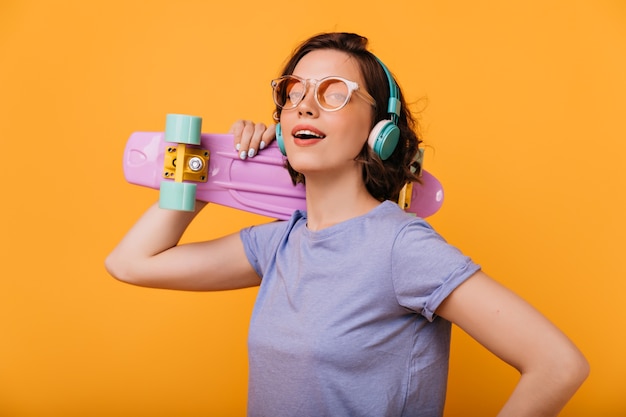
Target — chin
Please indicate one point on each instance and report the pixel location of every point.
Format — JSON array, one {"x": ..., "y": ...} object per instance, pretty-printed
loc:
[{"x": 304, "y": 167}]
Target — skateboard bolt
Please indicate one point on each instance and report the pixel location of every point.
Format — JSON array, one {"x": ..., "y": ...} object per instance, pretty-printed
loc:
[{"x": 195, "y": 164}]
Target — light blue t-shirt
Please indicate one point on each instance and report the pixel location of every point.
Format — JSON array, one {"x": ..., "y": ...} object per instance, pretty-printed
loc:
[{"x": 344, "y": 321}]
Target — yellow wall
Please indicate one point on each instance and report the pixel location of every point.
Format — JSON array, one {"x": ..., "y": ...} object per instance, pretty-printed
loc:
[{"x": 525, "y": 117}]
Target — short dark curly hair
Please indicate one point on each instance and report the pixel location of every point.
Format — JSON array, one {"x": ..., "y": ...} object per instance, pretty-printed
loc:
[{"x": 383, "y": 179}]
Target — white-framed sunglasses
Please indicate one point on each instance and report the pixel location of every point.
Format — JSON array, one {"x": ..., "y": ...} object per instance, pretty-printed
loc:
[{"x": 331, "y": 93}]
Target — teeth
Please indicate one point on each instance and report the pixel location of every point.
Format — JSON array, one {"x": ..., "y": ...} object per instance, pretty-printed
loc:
[{"x": 305, "y": 132}]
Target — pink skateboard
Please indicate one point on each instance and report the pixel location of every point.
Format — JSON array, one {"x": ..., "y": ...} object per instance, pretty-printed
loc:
[{"x": 212, "y": 171}]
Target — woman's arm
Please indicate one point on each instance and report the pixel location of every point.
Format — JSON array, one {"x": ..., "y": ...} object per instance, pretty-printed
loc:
[
  {"x": 551, "y": 367},
  {"x": 149, "y": 255}
]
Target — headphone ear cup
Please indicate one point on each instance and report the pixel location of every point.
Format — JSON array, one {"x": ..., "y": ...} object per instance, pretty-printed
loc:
[
  {"x": 279, "y": 139},
  {"x": 384, "y": 138}
]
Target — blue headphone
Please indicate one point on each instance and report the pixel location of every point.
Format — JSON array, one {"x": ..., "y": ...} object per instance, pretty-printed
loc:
[{"x": 385, "y": 135}]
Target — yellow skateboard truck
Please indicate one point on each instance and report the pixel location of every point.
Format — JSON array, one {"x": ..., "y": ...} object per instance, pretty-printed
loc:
[{"x": 194, "y": 167}]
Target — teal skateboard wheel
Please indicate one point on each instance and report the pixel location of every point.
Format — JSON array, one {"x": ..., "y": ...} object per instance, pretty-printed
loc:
[
  {"x": 181, "y": 128},
  {"x": 177, "y": 196}
]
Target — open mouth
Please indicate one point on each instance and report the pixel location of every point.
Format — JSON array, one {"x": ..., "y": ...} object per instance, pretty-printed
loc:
[{"x": 306, "y": 134}]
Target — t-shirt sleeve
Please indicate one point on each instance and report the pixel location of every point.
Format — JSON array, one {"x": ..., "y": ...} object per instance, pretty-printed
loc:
[
  {"x": 260, "y": 244},
  {"x": 426, "y": 269}
]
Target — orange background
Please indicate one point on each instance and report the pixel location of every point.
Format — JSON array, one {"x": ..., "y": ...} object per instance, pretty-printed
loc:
[{"x": 523, "y": 111}]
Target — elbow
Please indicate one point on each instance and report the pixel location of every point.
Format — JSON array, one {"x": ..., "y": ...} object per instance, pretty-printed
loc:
[
  {"x": 128, "y": 270},
  {"x": 561, "y": 372},
  {"x": 580, "y": 369},
  {"x": 571, "y": 370},
  {"x": 118, "y": 269},
  {"x": 112, "y": 267}
]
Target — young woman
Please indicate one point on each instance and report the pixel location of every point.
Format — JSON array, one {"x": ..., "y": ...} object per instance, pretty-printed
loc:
[{"x": 356, "y": 297}]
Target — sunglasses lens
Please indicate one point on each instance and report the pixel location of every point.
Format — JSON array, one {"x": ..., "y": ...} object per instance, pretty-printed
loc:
[
  {"x": 333, "y": 93},
  {"x": 288, "y": 92}
]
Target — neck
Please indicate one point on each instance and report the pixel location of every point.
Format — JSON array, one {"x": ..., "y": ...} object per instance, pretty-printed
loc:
[{"x": 333, "y": 200}]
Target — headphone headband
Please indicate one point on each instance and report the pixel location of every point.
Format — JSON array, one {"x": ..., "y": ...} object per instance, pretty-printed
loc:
[
  {"x": 385, "y": 135},
  {"x": 393, "y": 104}
]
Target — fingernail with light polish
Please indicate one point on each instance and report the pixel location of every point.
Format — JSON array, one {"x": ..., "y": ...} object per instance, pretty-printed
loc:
[
  {"x": 251, "y": 153},
  {"x": 242, "y": 155},
  {"x": 262, "y": 145},
  {"x": 237, "y": 146}
]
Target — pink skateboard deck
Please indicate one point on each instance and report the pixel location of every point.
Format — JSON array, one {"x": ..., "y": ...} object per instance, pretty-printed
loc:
[{"x": 259, "y": 185}]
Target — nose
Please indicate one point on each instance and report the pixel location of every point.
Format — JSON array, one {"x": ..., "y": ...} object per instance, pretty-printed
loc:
[{"x": 308, "y": 106}]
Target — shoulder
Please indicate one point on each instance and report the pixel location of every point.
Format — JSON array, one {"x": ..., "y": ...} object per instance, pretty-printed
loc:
[
  {"x": 402, "y": 224},
  {"x": 272, "y": 233}
]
